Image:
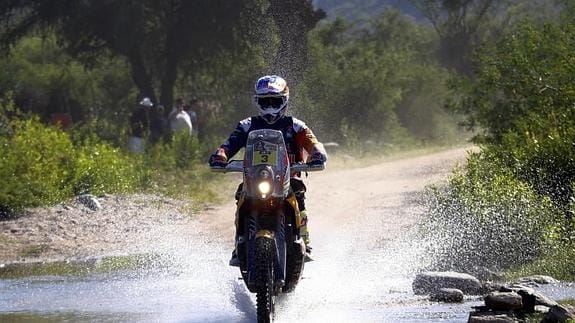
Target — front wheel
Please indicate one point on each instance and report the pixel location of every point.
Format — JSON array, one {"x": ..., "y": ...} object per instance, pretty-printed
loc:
[{"x": 264, "y": 258}]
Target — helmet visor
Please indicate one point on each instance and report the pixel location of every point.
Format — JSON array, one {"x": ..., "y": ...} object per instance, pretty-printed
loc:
[{"x": 270, "y": 102}]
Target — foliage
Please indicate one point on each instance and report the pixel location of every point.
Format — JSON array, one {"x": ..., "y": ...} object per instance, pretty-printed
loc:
[
  {"x": 523, "y": 99},
  {"x": 100, "y": 168},
  {"x": 44, "y": 80},
  {"x": 462, "y": 26},
  {"x": 365, "y": 84},
  {"x": 40, "y": 165},
  {"x": 529, "y": 72},
  {"x": 155, "y": 37},
  {"x": 487, "y": 218},
  {"x": 181, "y": 152},
  {"x": 34, "y": 164},
  {"x": 559, "y": 260}
]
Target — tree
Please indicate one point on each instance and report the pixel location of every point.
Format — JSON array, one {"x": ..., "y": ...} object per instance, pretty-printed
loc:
[
  {"x": 154, "y": 36},
  {"x": 523, "y": 100},
  {"x": 375, "y": 83},
  {"x": 460, "y": 26}
]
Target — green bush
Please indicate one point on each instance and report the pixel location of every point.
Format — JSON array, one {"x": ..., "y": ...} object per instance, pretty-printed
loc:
[
  {"x": 543, "y": 154},
  {"x": 40, "y": 165},
  {"x": 182, "y": 152},
  {"x": 485, "y": 217},
  {"x": 515, "y": 199},
  {"x": 100, "y": 168},
  {"x": 34, "y": 165}
]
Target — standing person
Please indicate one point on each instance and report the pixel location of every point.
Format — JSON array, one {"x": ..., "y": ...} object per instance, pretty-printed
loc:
[
  {"x": 271, "y": 97},
  {"x": 180, "y": 119},
  {"x": 139, "y": 124},
  {"x": 159, "y": 127},
  {"x": 192, "y": 110}
]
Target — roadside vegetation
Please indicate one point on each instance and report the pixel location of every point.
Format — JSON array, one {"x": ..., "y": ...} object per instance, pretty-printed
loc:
[
  {"x": 511, "y": 208},
  {"x": 378, "y": 85}
]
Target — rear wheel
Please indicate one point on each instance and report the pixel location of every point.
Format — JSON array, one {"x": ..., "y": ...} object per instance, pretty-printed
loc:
[{"x": 265, "y": 280}]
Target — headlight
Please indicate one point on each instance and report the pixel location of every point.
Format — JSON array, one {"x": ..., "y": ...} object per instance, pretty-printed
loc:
[{"x": 264, "y": 187}]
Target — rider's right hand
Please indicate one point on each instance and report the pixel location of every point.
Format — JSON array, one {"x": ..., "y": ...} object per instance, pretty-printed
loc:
[{"x": 217, "y": 161}]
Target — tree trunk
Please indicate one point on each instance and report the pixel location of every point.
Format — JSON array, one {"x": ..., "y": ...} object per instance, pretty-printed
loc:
[
  {"x": 170, "y": 71},
  {"x": 140, "y": 75}
]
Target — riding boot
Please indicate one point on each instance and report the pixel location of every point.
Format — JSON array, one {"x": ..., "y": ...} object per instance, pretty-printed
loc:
[
  {"x": 234, "y": 260},
  {"x": 304, "y": 233}
]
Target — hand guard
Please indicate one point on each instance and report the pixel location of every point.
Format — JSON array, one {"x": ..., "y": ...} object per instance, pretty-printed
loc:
[
  {"x": 316, "y": 159},
  {"x": 218, "y": 161}
]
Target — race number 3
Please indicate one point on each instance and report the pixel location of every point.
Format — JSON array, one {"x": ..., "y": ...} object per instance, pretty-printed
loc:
[{"x": 264, "y": 157}]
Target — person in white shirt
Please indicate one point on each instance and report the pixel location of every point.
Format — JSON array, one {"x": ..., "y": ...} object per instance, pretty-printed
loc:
[{"x": 180, "y": 119}]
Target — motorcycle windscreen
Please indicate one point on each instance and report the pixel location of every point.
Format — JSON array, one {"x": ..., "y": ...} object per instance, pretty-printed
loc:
[{"x": 266, "y": 147}]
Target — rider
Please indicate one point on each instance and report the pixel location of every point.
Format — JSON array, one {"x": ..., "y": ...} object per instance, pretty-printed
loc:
[{"x": 271, "y": 97}]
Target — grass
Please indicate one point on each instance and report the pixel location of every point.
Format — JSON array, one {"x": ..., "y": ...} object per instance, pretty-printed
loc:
[
  {"x": 34, "y": 250},
  {"x": 81, "y": 267},
  {"x": 559, "y": 264},
  {"x": 197, "y": 184}
]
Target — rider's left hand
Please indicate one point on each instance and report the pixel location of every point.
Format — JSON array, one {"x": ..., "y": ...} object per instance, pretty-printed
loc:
[
  {"x": 316, "y": 159},
  {"x": 217, "y": 161}
]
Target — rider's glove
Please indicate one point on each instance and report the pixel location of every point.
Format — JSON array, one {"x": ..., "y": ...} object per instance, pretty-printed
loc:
[
  {"x": 317, "y": 158},
  {"x": 218, "y": 161}
]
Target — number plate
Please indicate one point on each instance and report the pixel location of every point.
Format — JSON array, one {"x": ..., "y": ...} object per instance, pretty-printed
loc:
[{"x": 269, "y": 157}]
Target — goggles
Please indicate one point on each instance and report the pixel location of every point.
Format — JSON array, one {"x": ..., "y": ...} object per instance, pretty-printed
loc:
[{"x": 270, "y": 102}]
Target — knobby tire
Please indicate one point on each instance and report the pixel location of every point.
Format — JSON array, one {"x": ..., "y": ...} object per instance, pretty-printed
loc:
[{"x": 265, "y": 271}]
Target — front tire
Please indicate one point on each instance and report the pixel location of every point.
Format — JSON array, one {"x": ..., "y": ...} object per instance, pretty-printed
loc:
[{"x": 264, "y": 258}]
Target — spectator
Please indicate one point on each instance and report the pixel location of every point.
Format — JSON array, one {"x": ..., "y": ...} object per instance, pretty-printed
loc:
[
  {"x": 180, "y": 119},
  {"x": 192, "y": 110},
  {"x": 159, "y": 127},
  {"x": 139, "y": 124}
]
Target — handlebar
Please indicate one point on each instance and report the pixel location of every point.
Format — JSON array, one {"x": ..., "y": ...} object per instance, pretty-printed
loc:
[
  {"x": 234, "y": 166},
  {"x": 306, "y": 168},
  {"x": 237, "y": 166}
]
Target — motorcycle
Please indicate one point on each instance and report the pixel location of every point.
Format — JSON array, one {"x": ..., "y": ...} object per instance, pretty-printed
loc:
[{"x": 269, "y": 246}]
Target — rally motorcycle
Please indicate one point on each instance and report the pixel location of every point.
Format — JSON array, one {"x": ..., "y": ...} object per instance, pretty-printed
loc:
[{"x": 269, "y": 246}]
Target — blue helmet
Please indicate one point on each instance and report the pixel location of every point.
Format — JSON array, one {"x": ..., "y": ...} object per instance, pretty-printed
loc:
[{"x": 271, "y": 97}]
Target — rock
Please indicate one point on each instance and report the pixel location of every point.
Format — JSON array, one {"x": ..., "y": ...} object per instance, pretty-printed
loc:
[
  {"x": 539, "y": 279},
  {"x": 89, "y": 201},
  {"x": 491, "y": 318},
  {"x": 514, "y": 288},
  {"x": 503, "y": 301},
  {"x": 532, "y": 298},
  {"x": 447, "y": 295},
  {"x": 429, "y": 282},
  {"x": 489, "y": 287},
  {"x": 559, "y": 313},
  {"x": 541, "y": 309}
]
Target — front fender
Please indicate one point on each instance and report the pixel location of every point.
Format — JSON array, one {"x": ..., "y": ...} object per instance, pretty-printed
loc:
[{"x": 265, "y": 234}]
